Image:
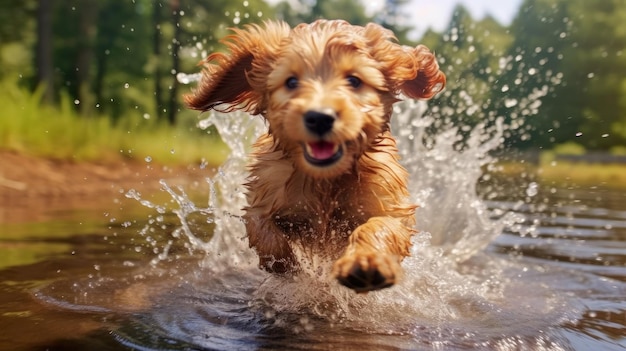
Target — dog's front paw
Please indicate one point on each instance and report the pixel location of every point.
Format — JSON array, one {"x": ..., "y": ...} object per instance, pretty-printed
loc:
[
  {"x": 364, "y": 273},
  {"x": 278, "y": 266}
]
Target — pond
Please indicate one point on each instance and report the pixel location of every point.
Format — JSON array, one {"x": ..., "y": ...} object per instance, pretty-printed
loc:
[{"x": 499, "y": 264}]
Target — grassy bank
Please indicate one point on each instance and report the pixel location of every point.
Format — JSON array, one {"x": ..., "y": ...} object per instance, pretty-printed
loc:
[
  {"x": 59, "y": 132},
  {"x": 549, "y": 170},
  {"x": 609, "y": 175}
]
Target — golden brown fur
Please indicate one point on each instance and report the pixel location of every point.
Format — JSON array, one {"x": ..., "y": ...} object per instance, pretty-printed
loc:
[{"x": 326, "y": 177}]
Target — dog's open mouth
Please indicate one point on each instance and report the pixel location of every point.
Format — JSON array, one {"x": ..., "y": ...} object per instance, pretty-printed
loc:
[{"x": 322, "y": 153}]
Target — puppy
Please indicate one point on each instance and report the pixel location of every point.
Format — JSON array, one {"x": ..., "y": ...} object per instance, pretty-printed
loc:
[{"x": 325, "y": 179}]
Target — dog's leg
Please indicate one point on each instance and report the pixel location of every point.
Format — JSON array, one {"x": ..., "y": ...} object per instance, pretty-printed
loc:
[
  {"x": 372, "y": 259},
  {"x": 271, "y": 244}
]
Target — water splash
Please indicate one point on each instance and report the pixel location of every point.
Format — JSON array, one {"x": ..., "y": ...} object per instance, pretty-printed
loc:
[
  {"x": 450, "y": 286},
  {"x": 455, "y": 224},
  {"x": 443, "y": 179}
]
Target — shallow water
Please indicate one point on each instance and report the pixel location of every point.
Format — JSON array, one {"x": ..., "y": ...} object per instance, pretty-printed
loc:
[{"x": 502, "y": 265}]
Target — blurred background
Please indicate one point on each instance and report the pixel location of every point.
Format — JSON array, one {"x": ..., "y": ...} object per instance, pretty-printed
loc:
[{"x": 103, "y": 79}]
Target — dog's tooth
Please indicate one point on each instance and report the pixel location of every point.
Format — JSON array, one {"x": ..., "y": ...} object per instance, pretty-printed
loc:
[{"x": 309, "y": 149}]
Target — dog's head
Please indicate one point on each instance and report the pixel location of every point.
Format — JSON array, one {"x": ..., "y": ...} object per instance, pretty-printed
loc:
[{"x": 326, "y": 88}]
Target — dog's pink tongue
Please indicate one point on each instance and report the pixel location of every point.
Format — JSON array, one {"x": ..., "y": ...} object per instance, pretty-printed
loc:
[{"x": 322, "y": 150}]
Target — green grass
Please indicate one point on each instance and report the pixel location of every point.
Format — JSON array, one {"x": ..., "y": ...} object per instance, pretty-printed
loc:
[
  {"x": 60, "y": 132},
  {"x": 612, "y": 175},
  {"x": 609, "y": 175},
  {"x": 550, "y": 171}
]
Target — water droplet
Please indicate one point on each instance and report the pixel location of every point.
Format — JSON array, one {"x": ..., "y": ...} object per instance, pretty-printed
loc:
[
  {"x": 205, "y": 123},
  {"x": 532, "y": 189},
  {"x": 510, "y": 103},
  {"x": 185, "y": 78}
]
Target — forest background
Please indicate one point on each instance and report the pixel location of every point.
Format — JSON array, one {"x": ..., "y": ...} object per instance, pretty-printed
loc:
[{"x": 100, "y": 79}]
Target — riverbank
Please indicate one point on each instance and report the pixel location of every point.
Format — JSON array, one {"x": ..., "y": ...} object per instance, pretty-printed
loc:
[
  {"x": 28, "y": 183},
  {"x": 566, "y": 173}
]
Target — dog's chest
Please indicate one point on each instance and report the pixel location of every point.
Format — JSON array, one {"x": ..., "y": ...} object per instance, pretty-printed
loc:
[{"x": 321, "y": 219}]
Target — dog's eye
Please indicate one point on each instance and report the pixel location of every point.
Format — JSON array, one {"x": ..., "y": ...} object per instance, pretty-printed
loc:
[
  {"x": 291, "y": 83},
  {"x": 354, "y": 82}
]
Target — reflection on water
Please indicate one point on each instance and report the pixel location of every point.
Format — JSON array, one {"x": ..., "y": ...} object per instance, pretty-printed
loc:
[{"x": 533, "y": 267}]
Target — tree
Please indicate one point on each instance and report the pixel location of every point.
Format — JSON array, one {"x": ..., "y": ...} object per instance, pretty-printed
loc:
[
  {"x": 123, "y": 76},
  {"x": 88, "y": 30},
  {"x": 469, "y": 53},
  {"x": 173, "y": 106},
  {"x": 349, "y": 10},
  {"x": 43, "y": 50},
  {"x": 393, "y": 18},
  {"x": 596, "y": 62},
  {"x": 571, "y": 51},
  {"x": 195, "y": 29},
  {"x": 157, "y": 17},
  {"x": 18, "y": 30},
  {"x": 533, "y": 94}
]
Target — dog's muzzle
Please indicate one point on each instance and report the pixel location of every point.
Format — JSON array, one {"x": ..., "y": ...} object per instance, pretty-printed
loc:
[{"x": 322, "y": 153}]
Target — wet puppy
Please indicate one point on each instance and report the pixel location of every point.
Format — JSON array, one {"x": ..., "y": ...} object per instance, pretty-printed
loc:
[{"x": 325, "y": 179}]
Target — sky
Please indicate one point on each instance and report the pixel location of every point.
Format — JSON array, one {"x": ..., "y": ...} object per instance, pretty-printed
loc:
[{"x": 436, "y": 14}]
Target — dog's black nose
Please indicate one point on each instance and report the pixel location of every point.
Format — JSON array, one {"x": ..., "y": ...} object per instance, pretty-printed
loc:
[{"x": 318, "y": 123}]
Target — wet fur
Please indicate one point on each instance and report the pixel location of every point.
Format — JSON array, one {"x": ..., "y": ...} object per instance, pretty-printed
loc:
[{"x": 357, "y": 209}]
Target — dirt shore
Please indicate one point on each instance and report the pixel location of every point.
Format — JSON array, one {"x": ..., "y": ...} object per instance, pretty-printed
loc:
[{"x": 27, "y": 182}]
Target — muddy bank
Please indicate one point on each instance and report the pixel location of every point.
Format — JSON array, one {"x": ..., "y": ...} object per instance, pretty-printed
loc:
[{"x": 27, "y": 183}]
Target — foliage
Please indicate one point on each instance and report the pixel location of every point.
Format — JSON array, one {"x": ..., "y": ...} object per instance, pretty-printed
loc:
[
  {"x": 28, "y": 126},
  {"x": 557, "y": 73},
  {"x": 573, "y": 49},
  {"x": 469, "y": 53},
  {"x": 393, "y": 18},
  {"x": 309, "y": 11}
]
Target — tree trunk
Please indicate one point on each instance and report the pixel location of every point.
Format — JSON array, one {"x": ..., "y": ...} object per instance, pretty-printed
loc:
[
  {"x": 88, "y": 30},
  {"x": 173, "y": 109},
  {"x": 156, "y": 47},
  {"x": 45, "y": 67}
]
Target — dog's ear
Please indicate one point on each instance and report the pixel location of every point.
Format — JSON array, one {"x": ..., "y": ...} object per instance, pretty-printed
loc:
[
  {"x": 235, "y": 79},
  {"x": 408, "y": 70},
  {"x": 429, "y": 79}
]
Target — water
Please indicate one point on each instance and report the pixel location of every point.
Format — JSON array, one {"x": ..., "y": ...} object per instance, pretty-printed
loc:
[{"x": 496, "y": 265}]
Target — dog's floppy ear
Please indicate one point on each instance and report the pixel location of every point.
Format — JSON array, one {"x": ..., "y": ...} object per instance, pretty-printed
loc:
[
  {"x": 429, "y": 79},
  {"x": 235, "y": 79},
  {"x": 408, "y": 70}
]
